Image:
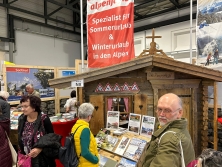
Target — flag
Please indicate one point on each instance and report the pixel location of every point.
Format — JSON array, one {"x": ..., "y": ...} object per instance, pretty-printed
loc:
[{"x": 110, "y": 32}]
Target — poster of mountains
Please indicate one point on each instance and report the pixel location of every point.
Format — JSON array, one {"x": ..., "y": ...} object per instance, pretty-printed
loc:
[{"x": 18, "y": 77}]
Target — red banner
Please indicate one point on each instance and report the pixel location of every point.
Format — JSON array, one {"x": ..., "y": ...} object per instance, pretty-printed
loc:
[
  {"x": 16, "y": 69},
  {"x": 110, "y": 32}
]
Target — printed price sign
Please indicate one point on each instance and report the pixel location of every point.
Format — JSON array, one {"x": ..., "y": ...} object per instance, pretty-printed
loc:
[{"x": 78, "y": 83}]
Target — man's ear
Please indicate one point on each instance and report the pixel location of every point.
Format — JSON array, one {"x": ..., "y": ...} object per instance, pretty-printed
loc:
[{"x": 180, "y": 113}]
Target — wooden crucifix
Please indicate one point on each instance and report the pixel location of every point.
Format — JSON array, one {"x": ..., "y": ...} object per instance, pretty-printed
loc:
[
  {"x": 153, "y": 35},
  {"x": 152, "y": 50}
]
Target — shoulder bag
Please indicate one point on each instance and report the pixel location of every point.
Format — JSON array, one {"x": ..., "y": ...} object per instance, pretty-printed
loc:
[
  {"x": 181, "y": 148},
  {"x": 67, "y": 154}
]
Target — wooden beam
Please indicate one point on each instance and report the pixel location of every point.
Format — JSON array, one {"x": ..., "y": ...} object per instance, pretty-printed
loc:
[
  {"x": 215, "y": 117},
  {"x": 175, "y": 83},
  {"x": 192, "y": 67},
  {"x": 204, "y": 128},
  {"x": 204, "y": 73},
  {"x": 155, "y": 100},
  {"x": 194, "y": 122},
  {"x": 208, "y": 83},
  {"x": 139, "y": 63}
]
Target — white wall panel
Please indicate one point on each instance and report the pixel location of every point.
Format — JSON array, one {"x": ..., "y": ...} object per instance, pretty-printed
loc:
[
  {"x": 175, "y": 39},
  {"x": 3, "y": 22},
  {"x": 29, "y": 27},
  {"x": 33, "y": 49},
  {"x": 60, "y": 25}
]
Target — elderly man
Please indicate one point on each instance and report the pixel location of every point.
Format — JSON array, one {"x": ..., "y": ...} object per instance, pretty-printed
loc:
[
  {"x": 164, "y": 150},
  {"x": 31, "y": 91},
  {"x": 4, "y": 104}
]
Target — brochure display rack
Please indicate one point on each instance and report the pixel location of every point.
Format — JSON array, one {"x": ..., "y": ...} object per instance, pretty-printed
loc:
[
  {"x": 121, "y": 147},
  {"x": 123, "y": 150}
]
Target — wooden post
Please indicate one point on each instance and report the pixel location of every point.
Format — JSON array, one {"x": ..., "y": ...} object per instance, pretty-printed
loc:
[
  {"x": 155, "y": 100},
  {"x": 57, "y": 108},
  {"x": 215, "y": 117},
  {"x": 204, "y": 131},
  {"x": 193, "y": 117}
]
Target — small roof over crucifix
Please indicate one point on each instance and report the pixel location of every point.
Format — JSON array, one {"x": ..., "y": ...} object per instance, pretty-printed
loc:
[{"x": 152, "y": 50}]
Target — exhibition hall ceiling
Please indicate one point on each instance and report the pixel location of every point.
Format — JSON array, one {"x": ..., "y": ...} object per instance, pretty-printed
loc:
[
  {"x": 149, "y": 8},
  {"x": 143, "y": 10}
]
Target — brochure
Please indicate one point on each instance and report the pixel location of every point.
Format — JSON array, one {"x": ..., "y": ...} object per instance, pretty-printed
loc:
[
  {"x": 106, "y": 141},
  {"x": 106, "y": 162},
  {"x": 135, "y": 149},
  {"x": 102, "y": 160},
  {"x": 120, "y": 131},
  {"x": 134, "y": 123},
  {"x": 126, "y": 163},
  {"x": 147, "y": 127},
  {"x": 112, "y": 119},
  {"x": 122, "y": 145}
]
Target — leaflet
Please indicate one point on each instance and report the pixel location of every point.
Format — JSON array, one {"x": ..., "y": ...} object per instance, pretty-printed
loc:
[{"x": 122, "y": 145}]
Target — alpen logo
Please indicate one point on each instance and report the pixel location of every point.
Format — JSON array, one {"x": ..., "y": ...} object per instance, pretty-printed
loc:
[{"x": 98, "y": 5}]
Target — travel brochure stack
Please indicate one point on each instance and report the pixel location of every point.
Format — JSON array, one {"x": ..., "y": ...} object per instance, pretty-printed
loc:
[
  {"x": 107, "y": 162},
  {"x": 128, "y": 149},
  {"x": 138, "y": 124},
  {"x": 14, "y": 118}
]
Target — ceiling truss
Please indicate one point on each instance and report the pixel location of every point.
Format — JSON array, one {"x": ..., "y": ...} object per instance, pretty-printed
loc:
[{"x": 143, "y": 9}]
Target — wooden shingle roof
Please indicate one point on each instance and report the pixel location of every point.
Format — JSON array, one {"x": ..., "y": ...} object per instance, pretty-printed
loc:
[{"x": 138, "y": 63}]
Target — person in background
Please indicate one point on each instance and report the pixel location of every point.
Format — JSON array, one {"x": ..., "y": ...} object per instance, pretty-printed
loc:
[
  {"x": 31, "y": 91},
  {"x": 208, "y": 59},
  {"x": 36, "y": 136},
  {"x": 216, "y": 57},
  {"x": 5, "y": 106},
  {"x": 85, "y": 143},
  {"x": 5, "y": 152},
  {"x": 19, "y": 93},
  {"x": 71, "y": 105},
  {"x": 166, "y": 152}
]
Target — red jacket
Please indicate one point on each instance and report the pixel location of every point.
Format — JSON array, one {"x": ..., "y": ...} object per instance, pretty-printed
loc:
[
  {"x": 208, "y": 57},
  {"x": 5, "y": 152}
]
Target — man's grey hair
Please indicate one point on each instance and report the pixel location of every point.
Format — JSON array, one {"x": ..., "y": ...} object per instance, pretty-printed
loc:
[
  {"x": 30, "y": 86},
  {"x": 85, "y": 110},
  {"x": 180, "y": 102},
  {"x": 4, "y": 94}
]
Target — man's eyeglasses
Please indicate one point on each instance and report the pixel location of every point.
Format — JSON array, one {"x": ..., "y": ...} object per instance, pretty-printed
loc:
[{"x": 165, "y": 111}]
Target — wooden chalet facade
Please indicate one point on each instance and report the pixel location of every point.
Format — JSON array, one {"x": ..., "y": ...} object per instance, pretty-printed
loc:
[
  {"x": 142, "y": 81},
  {"x": 154, "y": 76}
]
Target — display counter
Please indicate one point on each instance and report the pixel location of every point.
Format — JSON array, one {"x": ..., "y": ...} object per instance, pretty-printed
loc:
[{"x": 63, "y": 129}]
